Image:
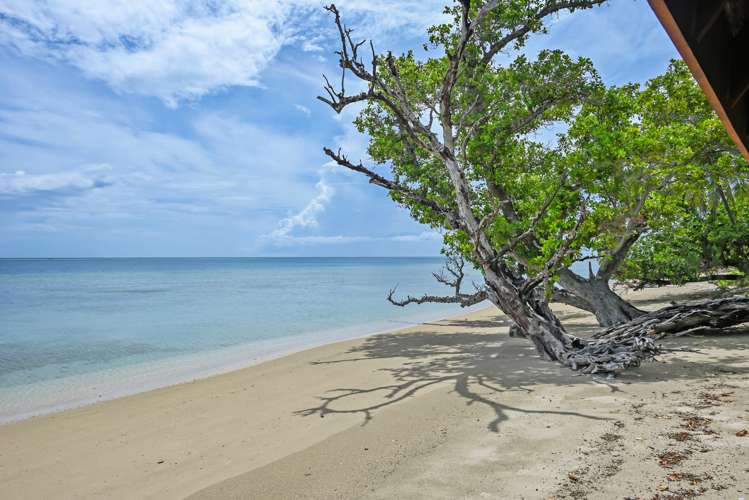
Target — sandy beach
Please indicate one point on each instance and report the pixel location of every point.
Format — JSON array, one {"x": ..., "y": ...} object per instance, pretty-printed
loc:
[{"x": 449, "y": 409}]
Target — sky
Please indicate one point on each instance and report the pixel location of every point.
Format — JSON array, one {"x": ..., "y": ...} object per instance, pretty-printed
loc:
[{"x": 135, "y": 128}]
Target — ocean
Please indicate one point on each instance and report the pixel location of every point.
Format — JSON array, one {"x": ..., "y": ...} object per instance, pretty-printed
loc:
[{"x": 77, "y": 331}]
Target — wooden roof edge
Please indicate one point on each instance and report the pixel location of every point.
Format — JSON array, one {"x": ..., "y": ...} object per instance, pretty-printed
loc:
[{"x": 677, "y": 37}]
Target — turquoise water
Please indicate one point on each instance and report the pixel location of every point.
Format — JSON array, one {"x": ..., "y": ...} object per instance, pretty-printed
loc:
[{"x": 76, "y": 330}]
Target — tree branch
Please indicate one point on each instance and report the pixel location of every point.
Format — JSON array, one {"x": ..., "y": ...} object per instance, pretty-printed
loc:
[
  {"x": 526, "y": 28},
  {"x": 451, "y": 275},
  {"x": 565, "y": 297},
  {"x": 465, "y": 300},
  {"x": 375, "y": 178},
  {"x": 611, "y": 263}
]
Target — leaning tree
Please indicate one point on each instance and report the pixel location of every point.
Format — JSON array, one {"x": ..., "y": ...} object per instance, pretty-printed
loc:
[
  {"x": 458, "y": 131},
  {"x": 656, "y": 157}
]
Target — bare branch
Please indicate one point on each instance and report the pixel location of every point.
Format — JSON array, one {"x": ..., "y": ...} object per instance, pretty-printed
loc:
[
  {"x": 393, "y": 98},
  {"x": 374, "y": 178},
  {"x": 451, "y": 275},
  {"x": 464, "y": 300},
  {"x": 526, "y": 28}
]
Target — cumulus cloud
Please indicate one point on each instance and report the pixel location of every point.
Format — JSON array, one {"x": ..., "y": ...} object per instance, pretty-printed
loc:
[
  {"x": 169, "y": 49},
  {"x": 183, "y": 49}
]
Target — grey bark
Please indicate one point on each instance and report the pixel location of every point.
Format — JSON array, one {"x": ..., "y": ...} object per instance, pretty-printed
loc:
[
  {"x": 709, "y": 316},
  {"x": 608, "y": 308}
]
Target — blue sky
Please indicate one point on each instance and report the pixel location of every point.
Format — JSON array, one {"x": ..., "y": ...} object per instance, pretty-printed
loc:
[{"x": 191, "y": 128}]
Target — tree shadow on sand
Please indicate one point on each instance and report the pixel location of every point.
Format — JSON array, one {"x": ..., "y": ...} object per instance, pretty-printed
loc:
[{"x": 483, "y": 362}]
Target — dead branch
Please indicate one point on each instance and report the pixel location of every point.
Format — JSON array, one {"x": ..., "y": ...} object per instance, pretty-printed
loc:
[{"x": 452, "y": 275}]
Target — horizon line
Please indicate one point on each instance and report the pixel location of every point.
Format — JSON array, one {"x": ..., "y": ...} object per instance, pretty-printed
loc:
[{"x": 234, "y": 257}]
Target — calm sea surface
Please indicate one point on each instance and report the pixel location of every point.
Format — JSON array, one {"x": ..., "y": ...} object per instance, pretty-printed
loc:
[{"x": 74, "y": 331}]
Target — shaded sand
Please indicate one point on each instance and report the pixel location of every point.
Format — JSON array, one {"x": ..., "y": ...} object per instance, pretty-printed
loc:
[{"x": 450, "y": 409}]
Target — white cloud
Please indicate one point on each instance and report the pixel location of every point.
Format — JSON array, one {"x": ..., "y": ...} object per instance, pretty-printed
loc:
[
  {"x": 341, "y": 239},
  {"x": 169, "y": 49},
  {"x": 222, "y": 174},
  {"x": 624, "y": 39},
  {"x": 423, "y": 236},
  {"x": 311, "y": 46},
  {"x": 303, "y": 109},
  {"x": 21, "y": 183},
  {"x": 181, "y": 50},
  {"x": 307, "y": 217}
]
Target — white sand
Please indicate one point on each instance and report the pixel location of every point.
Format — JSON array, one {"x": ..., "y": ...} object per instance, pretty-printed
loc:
[{"x": 450, "y": 409}]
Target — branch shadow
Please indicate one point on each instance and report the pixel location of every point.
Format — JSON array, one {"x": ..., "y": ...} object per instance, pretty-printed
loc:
[
  {"x": 469, "y": 362},
  {"x": 480, "y": 362}
]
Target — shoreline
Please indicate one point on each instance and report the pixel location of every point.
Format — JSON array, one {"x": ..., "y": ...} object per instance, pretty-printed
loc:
[
  {"x": 86, "y": 389},
  {"x": 449, "y": 409}
]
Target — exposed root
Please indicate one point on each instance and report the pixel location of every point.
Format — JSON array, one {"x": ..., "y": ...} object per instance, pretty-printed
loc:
[
  {"x": 629, "y": 344},
  {"x": 696, "y": 317},
  {"x": 606, "y": 356}
]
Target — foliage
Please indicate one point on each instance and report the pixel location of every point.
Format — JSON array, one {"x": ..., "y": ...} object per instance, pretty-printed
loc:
[
  {"x": 467, "y": 135},
  {"x": 630, "y": 160},
  {"x": 696, "y": 222}
]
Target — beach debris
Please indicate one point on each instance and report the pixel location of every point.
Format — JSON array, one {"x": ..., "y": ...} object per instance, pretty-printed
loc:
[
  {"x": 610, "y": 437},
  {"x": 696, "y": 423},
  {"x": 682, "y": 494},
  {"x": 742, "y": 433},
  {"x": 681, "y": 436},
  {"x": 160, "y": 461},
  {"x": 671, "y": 458},
  {"x": 708, "y": 399},
  {"x": 691, "y": 478}
]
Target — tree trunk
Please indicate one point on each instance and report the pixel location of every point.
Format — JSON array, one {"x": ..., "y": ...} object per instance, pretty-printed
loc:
[
  {"x": 534, "y": 320},
  {"x": 608, "y": 308}
]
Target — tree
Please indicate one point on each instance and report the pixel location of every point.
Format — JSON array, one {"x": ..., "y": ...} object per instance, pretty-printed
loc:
[
  {"x": 457, "y": 130},
  {"x": 640, "y": 178},
  {"x": 706, "y": 235},
  {"x": 654, "y": 152},
  {"x": 702, "y": 229}
]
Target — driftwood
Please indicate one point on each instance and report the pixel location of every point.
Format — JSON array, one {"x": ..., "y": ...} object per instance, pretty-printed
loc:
[{"x": 627, "y": 345}]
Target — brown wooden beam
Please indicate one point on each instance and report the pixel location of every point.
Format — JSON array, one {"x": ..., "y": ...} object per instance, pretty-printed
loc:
[{"x": 677, "y": 37}]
